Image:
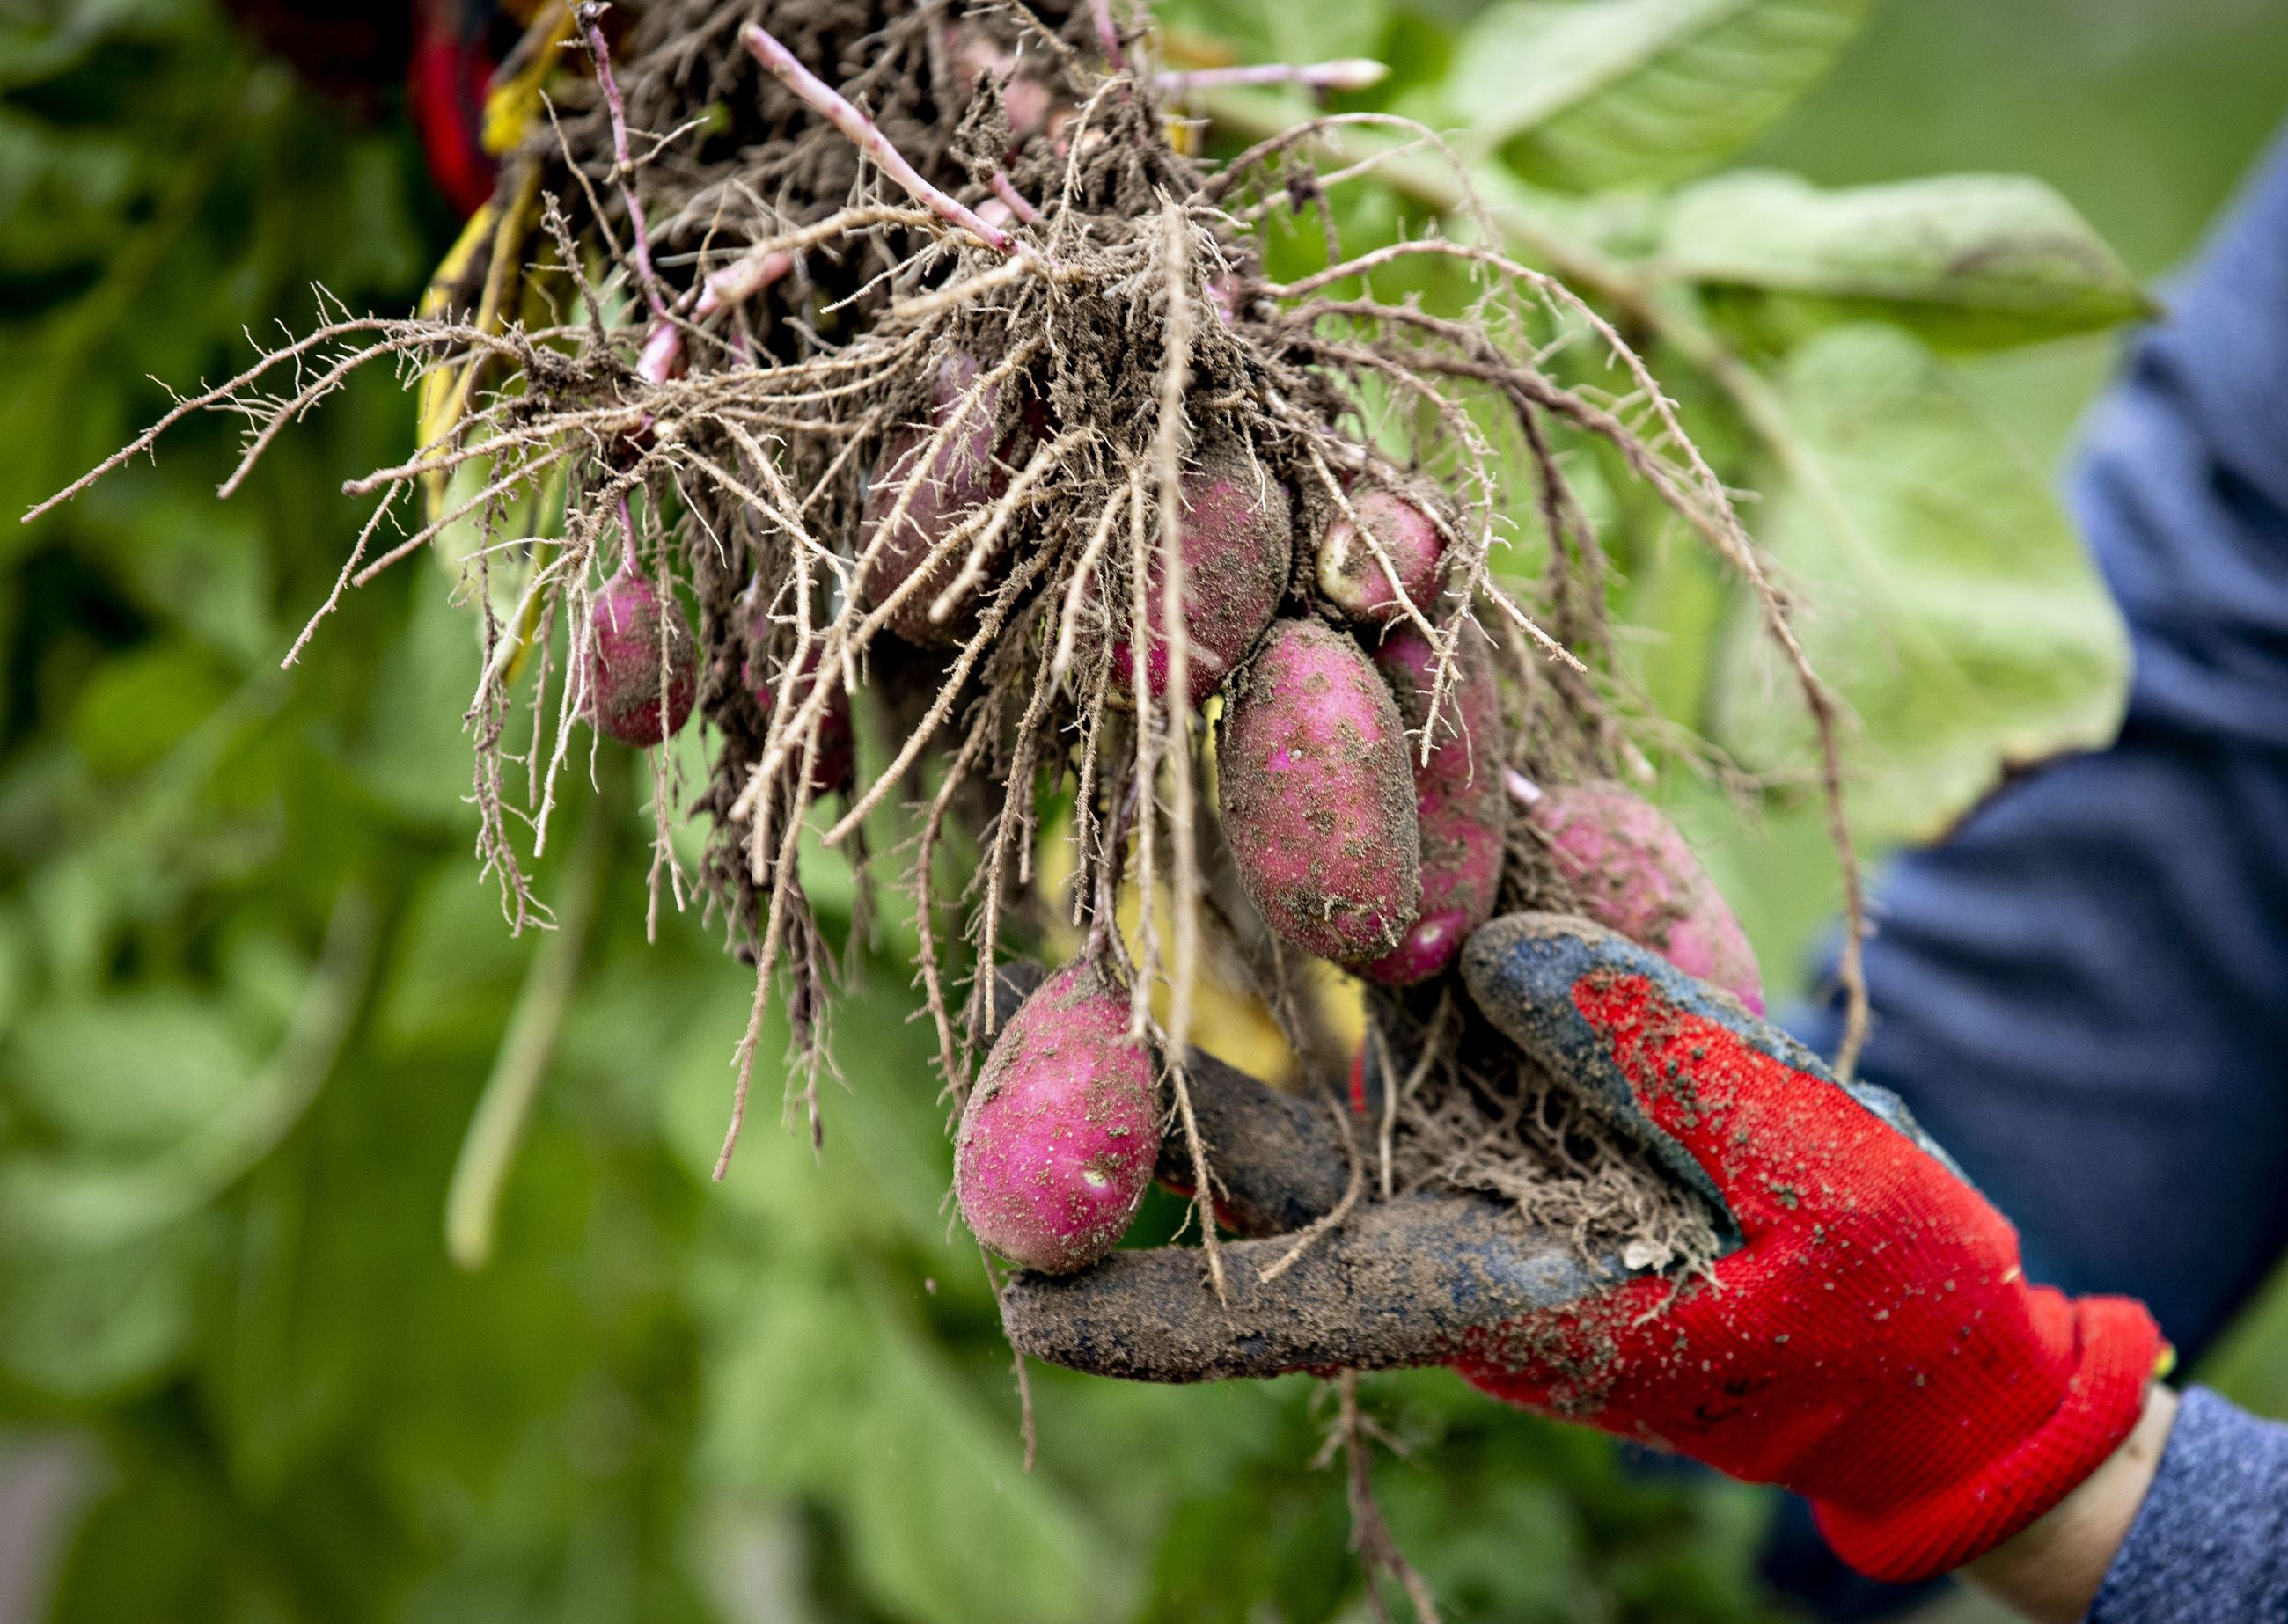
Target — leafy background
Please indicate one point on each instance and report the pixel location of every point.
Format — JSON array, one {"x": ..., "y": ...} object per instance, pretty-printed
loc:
[{"x": 251, "y": 988}]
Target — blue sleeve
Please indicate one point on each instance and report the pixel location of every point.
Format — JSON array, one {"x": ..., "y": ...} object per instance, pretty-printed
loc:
[
  {"x": 2083, "y": 993},
  {"x": 2210, "y": 1545}
]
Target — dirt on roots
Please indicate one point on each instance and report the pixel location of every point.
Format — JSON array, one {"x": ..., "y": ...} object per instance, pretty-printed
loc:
[{"x": 707, "y": 308}]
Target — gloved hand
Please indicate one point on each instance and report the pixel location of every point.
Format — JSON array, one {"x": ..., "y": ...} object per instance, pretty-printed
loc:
[{"x": 1868, "y": 1339}]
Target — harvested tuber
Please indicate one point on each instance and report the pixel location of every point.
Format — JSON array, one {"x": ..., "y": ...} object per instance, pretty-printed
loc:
[
  {"x": 1316, "y": 797},
  {"x": 643, "y": 664},
  {"x": 1061, "y": 1133},
  {"x": 1458, "y": 801},
  {"x": 1633, "y": 873},
  {"x": 837, "y": 761},
  {"x": 1236, "y": 537},
  {"x": 953, "y": 477},
  {"x": 1357, "y": 582}
]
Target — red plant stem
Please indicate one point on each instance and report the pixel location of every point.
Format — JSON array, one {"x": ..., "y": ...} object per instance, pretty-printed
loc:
[
  {"x": 623, "y": 163},
  {"x": 628, "y": 559},
  {"x": 868, "y": 138},
  {"x": 740, "y": 280},
  {"x": 1006, "y": 191},
  {"x": 1107, "y": 35},
  {"x": 1347, "y": 74}
]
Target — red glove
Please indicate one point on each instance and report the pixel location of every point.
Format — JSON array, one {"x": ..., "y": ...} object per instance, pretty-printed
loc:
[
  {"x": 1868, "y": 1339},
  {"x": 1873, "y": 1344},
  {"x": 451, "y": 71}
]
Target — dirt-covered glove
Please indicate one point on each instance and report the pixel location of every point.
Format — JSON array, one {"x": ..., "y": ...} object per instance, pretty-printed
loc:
[{"x": 1868, "y": 1338}]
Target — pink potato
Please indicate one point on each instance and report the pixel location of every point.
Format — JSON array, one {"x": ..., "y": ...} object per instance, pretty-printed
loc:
[
  {"x": 1458, "y": 801},
  {"x": 1316, "y": 797},
  {"x": 1237, "y": 539},
  {"x": 625, "y": 634},
  {"x": 1354, "y": 580},
  {"x": 1633, "y": 873},
  {"x": 837, "y": 761},
  {"x": 1059, "y": 1139},
  {"x": 963, "y": 474}
]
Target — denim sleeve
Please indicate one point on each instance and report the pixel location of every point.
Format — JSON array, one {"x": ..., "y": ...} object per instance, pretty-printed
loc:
[
  {"x": 2083, "y": 992},
  {"x": 2210, "y": 1546}
]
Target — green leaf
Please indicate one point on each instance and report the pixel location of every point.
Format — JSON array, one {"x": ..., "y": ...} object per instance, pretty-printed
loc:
[
  {"x": 1967, "y": 261},
  {"x": 132, "y": 1073},
  {"x": 1588, "y": 94},
  {"x": 822, "y": 1389},
  {"x": 83, "y": 1323},
  {"x": 1947, "y": 597}
]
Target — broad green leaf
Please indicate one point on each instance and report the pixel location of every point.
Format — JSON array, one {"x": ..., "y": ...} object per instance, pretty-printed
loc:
[
  {"x": 1946, "y": 596},
  {"x": 91, "y": 1196},
  {"x": 818, "y": 1390},
  {"x": 1969, "y": 261},
  {"x": 85, "y": 1323},
  {"x": 1588, "y": 94},
  {"x": 132, "y": 1073}
]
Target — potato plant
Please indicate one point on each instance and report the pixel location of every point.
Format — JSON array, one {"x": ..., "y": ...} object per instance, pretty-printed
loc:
[{"x": 865, "y": 446}]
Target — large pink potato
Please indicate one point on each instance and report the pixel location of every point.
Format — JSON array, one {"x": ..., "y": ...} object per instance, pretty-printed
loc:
[
  {"x": 629, "y": 623},
  {"x": 1355, "y": 580},
  {"x": 1317, "y": 798},
  {"x": 1057, "y": 1141},
  {"x": 963, "y": 475},
  {"x": 1237, "y": 540},
  {"x": 1458, "y": 801},
  {"x": 1633, "y": 873}
]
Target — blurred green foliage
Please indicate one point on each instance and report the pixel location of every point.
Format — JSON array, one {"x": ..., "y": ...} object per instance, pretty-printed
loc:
[{"x": 251, "y": 986}]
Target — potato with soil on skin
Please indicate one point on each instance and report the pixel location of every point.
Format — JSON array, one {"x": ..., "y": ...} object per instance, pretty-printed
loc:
[
  {"x": 1633, "y": 873},
  {"x": 1237, "y": 540},
  {"x": 1355, "y": 580},
  {"x": 1059, "y": 1138},
  {"x": 1458, "y": 800},
  {"x": 837, "y": 761},
  {"x": 626, "y": 628},
  {"x": 1316, "y": 797},
  {"x": 968, "y": 471}
]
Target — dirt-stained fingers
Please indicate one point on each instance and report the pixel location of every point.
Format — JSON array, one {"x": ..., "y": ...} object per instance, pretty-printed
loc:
[{"x": 1396, "y": 1284}]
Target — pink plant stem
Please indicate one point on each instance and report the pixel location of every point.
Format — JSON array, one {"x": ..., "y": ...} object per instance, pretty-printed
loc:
[
  {"x": 662, "y": 353},
  {"x": 733, "y": 284},
  {"x": 628, "y": 559},
  {"x": 1349, "y": 74},
  {"x": 623, "y": 163},
  {"x": 1006, "y": 191},
  {"x": 1107, "y": 34},
  {"x": 863, "y": 134},
  {"x": 740, "y": 280}
]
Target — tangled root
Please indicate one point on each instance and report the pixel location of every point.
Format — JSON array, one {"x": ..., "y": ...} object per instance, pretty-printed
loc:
[{"x": 717, "y": 299}]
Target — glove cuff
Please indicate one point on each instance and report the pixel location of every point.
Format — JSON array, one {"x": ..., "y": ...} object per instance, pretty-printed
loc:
[{"x": 2118, "y": 1348}]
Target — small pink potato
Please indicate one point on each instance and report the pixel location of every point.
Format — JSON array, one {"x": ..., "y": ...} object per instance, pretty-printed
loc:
[
  {"x": 1633, "y": 873},
  {"x": 1316, "y": 797},
  {"x": 1354, "y": 580},
  {"x": 1237, "y": 540},
  {"x": 962, "y": 475},
  {"x": 628, "y": 625},
  {"x": 1458, "y": 800},
  {"x": 1059, "y": 1138},
  {"x": 837, "y": 761}
]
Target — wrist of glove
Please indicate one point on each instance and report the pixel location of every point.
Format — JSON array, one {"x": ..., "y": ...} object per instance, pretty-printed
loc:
[{"x": 1868, "y": 1338}]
